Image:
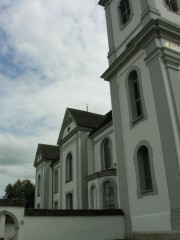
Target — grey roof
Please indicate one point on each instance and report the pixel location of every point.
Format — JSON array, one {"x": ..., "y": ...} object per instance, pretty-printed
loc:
[
  {"x": 86, "y": 119},
  {"x": 107, "y": 119},
  {"x": 48, "y": 151}
]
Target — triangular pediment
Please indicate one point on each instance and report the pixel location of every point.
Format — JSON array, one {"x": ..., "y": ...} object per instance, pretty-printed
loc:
[{"x": 67, "y": 126}]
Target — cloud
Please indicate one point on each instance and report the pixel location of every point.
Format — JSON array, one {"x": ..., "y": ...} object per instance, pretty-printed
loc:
[{"x": 52, "y": 54}]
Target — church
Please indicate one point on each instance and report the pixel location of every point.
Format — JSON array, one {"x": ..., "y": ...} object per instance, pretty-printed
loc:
[{"x": 128, "y": 159}]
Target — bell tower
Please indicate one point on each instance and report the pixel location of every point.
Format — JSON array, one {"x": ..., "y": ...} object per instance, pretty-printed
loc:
[{"x": 144, "y": 77}]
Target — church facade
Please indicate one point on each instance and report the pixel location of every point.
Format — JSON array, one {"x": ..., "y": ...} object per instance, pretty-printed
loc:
[
  {"x": 129, "y": 161},
  {"x": 80, "y": 171}
]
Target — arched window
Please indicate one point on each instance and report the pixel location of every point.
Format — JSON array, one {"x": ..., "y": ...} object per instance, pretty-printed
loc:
[
  {"x": 145, "y": 176},
  {"x": 56, "y": 181},
  {"x": 93, "y": 198},
  {"x": 173, "y": 5},
  {"x": 39, "y": 186},
  {"x": 135, "y": 96},
  {"x": 125, "y": 11},
  {"x": 106, "y": 154},
  {"x": 69, "y": 168},
  {"x": 144, "y": 168},
  {"x": 109, "y": 195},
  {"x": 69, "y": 201}
]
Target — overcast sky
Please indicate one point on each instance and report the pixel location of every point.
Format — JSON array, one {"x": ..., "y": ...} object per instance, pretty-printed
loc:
[{"x": 52, "y": 55}]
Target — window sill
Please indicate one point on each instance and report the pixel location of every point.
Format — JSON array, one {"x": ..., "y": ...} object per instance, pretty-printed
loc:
[
  {"x": 137, "y": 120},
  {"x": 69, "y": 180},
  {"x": 146, "y": 191},
  {"x": 123, "y": 26}
]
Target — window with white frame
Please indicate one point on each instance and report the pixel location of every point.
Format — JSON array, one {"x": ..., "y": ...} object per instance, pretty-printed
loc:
[
  {"x": 69, "y": 168},
  {"x": 56, "y": 181},
  {"x": 173, "y": 5},
  {"x": 125, "y": 11},
  {"x": 146, "y": 184},
  {"x": 109, "y": 195},
  {"x": 135, "y": 96},
  {"x": 69, "y": 201},
  {"x": 144, "y": 168},
  {"x": 106, "y": 154},
  {"x": 39, "y": 185}
]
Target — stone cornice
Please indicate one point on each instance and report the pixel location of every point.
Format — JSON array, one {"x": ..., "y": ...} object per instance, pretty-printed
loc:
[
  {"x": 105, "y": 173},
  {"x": 154, "y": 29},
  {"x": 73, "y": 132},
  {"x": 36, "y": 164}
]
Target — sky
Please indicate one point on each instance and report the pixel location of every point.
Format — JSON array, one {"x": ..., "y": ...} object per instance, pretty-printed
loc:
[{"x": 52, "y": 56}]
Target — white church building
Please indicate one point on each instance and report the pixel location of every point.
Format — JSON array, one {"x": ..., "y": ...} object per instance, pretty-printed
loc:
[
  {"x": 80, "y": 171},
  {"x": 128, "y": 159}
]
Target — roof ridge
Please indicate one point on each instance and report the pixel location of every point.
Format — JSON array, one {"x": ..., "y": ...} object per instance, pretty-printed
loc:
[{"x": 79, "y": 110}]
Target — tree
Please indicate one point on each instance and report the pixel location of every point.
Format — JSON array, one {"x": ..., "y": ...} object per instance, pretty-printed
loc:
[{"x": 21, "y": 190}]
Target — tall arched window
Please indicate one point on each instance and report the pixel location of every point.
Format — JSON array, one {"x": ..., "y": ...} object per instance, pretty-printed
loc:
[
  {"x": 69, "y": 169},
  {"x": 135, "y": 96},
  {"x": 109, "y": 195},
  {"x": 39, "y": 186},
  {"x": 56, "y": 181},
  {"x": 106, "y": 154},
  {"x": 93, "y": 197},
  {"x": 125, "y": 11},
  {"x": 145, "y": 176},
  {"x": 69, "y": 201}
]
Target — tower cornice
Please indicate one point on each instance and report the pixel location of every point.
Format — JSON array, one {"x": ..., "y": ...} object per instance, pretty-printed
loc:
[{"x": 159, "y": 28}]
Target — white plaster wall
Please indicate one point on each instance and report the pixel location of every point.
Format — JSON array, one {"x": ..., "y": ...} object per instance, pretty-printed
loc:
[
  {"x": 69, "y": 146},
  {"x": 130, "y": 30},
  {"x": 90, "y": 156},
  {"x": 73, "y": 228},
  {"x": 82, "y": 170},
  {"x": 72, "y": 125},
  {"x": 18, "y": 212},
  {"x": 149, "y": 211}
]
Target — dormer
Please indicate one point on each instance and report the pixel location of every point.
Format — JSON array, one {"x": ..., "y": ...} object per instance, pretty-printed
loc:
[{"x": 126, "y": 18}]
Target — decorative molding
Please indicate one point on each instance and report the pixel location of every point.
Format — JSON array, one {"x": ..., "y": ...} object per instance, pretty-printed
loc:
[
  {"x": 149, "y": 10},
  {"x": 105, "y": 173},
  {"x": 154, "y": 29},
  {"x": 102, "y": 137}
]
